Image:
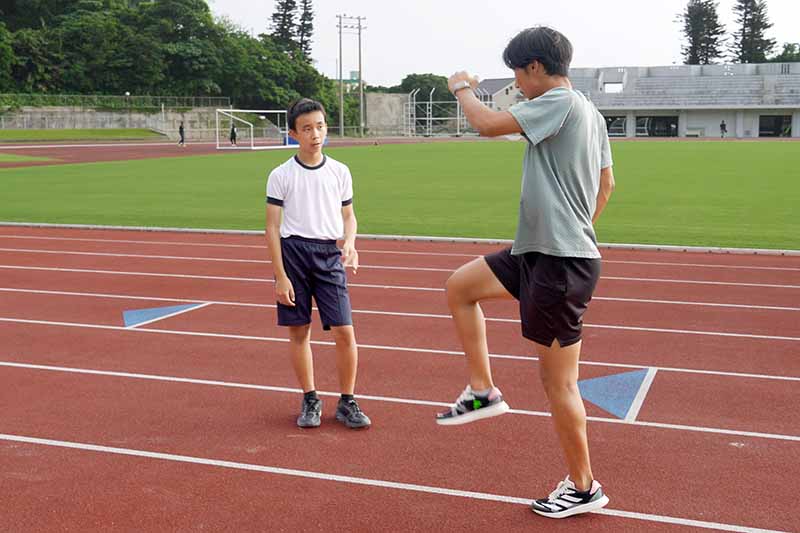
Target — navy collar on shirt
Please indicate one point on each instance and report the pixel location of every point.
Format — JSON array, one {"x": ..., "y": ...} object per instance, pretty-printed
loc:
[{"x": 324, "y": 159}]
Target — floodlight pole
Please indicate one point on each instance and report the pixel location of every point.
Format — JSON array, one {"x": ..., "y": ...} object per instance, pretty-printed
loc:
[
  {"x": 350, "y": 23},
  {"x": 360, "y": 80}
]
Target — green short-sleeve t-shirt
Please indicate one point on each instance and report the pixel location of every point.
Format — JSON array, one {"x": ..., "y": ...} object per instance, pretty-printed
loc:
[{"x": 567, "y": 147}]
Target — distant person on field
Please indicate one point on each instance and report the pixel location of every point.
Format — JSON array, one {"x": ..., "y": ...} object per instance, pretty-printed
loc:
[
  {"x": 554, "y": 264},
  {"x": 233, "y": 134},
  {"x": 723, "y": 129},
  {"x": 309, "y": 207},
  {"x": 182, "y": 134}
]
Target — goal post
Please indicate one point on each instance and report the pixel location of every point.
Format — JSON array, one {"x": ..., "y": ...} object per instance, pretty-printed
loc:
[{"x": 255, "y": 129}]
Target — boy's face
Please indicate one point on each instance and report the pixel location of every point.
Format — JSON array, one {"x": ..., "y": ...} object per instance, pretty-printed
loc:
[
  {"x": 310, "y": 131},
  {"x": 531, "y": 80}
]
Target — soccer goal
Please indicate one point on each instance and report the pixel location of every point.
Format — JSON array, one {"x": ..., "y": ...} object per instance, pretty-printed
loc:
[{"x": 252, "y": 129}]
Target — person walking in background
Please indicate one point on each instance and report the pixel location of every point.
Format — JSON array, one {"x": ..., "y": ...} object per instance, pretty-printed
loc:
[
  {"x": 182, "y": 135},
  {"x": 233, "y": 134},
  {"x": 723, "y": 129}
]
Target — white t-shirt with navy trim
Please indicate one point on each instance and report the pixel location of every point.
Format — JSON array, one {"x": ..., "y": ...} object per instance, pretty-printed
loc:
[{"x": 312, "y": 197}]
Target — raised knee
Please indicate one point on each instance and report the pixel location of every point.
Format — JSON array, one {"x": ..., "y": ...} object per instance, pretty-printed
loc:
[{"x": 455, "y": 290}]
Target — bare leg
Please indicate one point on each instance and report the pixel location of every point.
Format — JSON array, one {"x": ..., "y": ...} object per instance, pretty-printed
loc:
[
  {"x": 346, "y": 357},
  {"x": 300, "y": 353},
  {"x": 558, "y": 369},
  {"x": 468, "y": 286}
]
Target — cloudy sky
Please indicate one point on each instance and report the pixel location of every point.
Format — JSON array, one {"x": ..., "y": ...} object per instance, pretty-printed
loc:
[{"x": 442, "y": 36}]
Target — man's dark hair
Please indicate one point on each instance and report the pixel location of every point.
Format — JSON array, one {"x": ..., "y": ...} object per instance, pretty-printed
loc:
[
  {"x": 545, "y": 45},
  {"x": 301, "y": 107}
]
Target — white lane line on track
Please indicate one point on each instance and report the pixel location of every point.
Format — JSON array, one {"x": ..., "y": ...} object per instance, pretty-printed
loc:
[
  {"x": 380, "y": 347},
  {"x": 383, "y": 267},
  {"x": 375, "y": 286},
  {"x": 209, "y": 259},
  {"x": 389, "y": 399},
  {"x": 641, "y": 394},
  {"x": 385, "y": 252},
  {"x": 394, "y": 313},
  {"x": 425, "y": 489}
]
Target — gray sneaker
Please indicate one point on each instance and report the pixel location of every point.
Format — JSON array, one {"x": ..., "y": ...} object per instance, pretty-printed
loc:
[
  {"x": 310, "y": 413},
  {"x": 350, "y": 414}
]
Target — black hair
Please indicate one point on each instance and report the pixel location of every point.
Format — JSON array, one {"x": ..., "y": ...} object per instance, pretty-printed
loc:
[
  {"x": 301, "y": 107},
  {"x": 545, "y": 45}
]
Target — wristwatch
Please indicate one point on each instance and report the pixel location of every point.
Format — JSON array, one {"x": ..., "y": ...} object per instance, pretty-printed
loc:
[{"x": 463, "y": 84}]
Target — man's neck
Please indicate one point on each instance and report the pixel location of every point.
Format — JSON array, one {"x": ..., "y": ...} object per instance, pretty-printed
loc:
[{"x": 310, "y": 159}]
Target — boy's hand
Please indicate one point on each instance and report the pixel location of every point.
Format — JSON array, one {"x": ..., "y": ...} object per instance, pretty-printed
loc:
[
  {"x": 284, "y": 291},
  {"x": 350, "y": 256},
  {"x": 462, "y": 76}
]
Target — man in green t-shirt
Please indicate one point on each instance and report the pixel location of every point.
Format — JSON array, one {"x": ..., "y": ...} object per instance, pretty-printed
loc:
[{"x": 554, "y": 264}]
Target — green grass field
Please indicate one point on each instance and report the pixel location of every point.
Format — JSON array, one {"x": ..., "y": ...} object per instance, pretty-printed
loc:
[
  {"x": 14, "y": 158},
  {"x": 131, "y": 134},
  {"x": 733, "y": 194}
]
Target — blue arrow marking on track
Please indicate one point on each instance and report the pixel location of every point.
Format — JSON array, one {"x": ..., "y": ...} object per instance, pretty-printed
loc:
[
  {"x": 135, "y": 317},
  {"x": 614, "y": 393}
]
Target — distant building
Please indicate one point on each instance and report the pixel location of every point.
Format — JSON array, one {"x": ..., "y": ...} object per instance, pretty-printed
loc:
[{"x": 754, "y": 100}]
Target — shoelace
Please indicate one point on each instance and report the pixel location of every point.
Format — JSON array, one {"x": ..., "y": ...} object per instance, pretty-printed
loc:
[
  {"x": 561, "y": 488},
  {"x": 353, "y": 407}
]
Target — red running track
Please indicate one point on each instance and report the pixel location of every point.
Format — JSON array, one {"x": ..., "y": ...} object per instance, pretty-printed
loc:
[{"x": 213, "y": 385}]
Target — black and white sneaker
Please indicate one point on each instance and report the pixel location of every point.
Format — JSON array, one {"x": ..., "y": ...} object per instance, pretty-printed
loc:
[
  {"x": 567, "y": 500},
  {"x": 350, "y": 414},
  {"x": 470, "y": 407},
  {"x": 310, "y": 413}
]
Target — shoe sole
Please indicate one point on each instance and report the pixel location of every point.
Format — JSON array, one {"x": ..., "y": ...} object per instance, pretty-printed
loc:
[
  {"x": 307, "y": 426},
  {"x": 587, "y": 508},
  {"x": 485, "y": 412},
  {"x": 344, "y": 421}
]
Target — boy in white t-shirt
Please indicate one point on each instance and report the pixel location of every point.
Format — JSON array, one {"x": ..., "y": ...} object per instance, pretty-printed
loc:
[{"x": 314, "y": 193}]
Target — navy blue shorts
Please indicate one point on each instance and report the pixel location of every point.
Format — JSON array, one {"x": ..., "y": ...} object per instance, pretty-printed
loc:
[
  {"x": 553, "y": 292},
  {"x": 315, "y": 269}
]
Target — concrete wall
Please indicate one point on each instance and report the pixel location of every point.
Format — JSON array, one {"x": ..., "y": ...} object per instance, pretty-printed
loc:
[
  {"x": 743, "y": 124},
  {"x": 199, "y": 122},
  {"x": 385, "y": 113}
]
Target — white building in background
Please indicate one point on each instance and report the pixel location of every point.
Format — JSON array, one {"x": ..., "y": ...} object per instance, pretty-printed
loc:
[{"x": 753, "y": 100}]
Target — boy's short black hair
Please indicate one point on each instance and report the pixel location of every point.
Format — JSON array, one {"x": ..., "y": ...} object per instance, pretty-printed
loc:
[
  {"x": 545, "y": 45},
  {"x": 301, "y": 107}
]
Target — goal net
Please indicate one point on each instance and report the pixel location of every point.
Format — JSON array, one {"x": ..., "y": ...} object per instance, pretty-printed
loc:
[{"x": 251, "y": 129}]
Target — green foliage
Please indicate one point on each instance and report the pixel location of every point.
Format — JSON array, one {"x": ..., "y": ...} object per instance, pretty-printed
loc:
[
  {"x": 790, "y": 54},
  {"x": 283, "y": 24},
  {"x": 426, "y": 82},
  {"x": 7, "y": 59},
  {"x": 702, "y": 31},
  {"x": 750, "y": 44}
]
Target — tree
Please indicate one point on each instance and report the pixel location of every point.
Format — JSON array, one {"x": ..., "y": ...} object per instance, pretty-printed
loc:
[
  {"x": 306, "y": 28},
  {"x": 790, "y": 54},
  {"x": 703, "y": 32},
  {"x": 426, "y": 82},
  {"x": 7, "y": 59},
  {"x": 38, "y": 61},
  {"x": 750, "y": 45},
  {"x": 283, "y": 26}
]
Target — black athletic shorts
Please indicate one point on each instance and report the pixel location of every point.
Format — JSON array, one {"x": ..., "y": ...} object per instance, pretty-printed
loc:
[
  {"x": 553, "y": 292},
  {"x": 315, "y": 269}
]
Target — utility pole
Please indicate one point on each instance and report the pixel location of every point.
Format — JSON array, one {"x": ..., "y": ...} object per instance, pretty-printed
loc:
[{"x": 350, "y": 23}]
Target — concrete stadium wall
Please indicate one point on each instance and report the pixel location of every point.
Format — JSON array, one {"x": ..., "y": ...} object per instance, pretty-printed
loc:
[
  {"x": 198, "y": 122},
  {"x": 385, "y": 113}
]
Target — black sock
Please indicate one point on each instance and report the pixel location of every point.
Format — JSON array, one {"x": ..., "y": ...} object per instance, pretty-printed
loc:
[
  {"x": 310, "y": 395},
  {"x": 347, "y": 397}
]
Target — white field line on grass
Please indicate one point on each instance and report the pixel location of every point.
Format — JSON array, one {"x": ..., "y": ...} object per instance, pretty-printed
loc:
[
  {"x": 410, "y": 349},
  {"x": 382, "y": 252},
  {"x": 378, "y": 286},
  {"x": 388, "y": 399},
  {"x": 384, "y": 484}
]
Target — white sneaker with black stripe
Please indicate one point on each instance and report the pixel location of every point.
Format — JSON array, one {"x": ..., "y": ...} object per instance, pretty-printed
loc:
[
  {"x": 567, "y": 500},
  {"x": 470, "y": 407}
]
